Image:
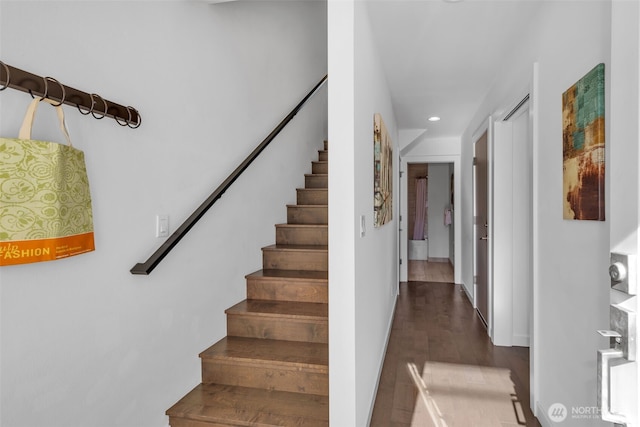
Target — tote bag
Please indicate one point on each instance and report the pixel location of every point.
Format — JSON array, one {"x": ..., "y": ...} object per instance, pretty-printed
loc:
[{"x": 45, "y": 203}]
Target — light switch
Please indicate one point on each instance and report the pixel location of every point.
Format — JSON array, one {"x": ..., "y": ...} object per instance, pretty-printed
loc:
[{"x": 162, "y": 225}]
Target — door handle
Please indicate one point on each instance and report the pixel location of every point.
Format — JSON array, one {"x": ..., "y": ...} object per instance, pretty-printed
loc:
[
  {"x": 604, "y": 398},
  {"x": 484, "y": 238}
]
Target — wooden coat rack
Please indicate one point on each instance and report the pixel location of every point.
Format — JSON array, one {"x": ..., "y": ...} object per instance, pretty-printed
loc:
[{"x": 87, "y": 103}]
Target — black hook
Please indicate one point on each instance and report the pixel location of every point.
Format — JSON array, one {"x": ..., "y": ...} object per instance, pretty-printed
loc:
[
  {"x": 64, "y": 94},
  {"x": 6, "y": 68},
  {"x": 46, "y": 89},
  {"x": 137, "y": 125},
  {"x": 93, "y": 102},
  {"x": 106, "y": 107}
]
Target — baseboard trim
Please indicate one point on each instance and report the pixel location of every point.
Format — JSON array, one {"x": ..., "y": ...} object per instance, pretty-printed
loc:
[
  {"x": 384, "y": 355},
  {"x": 466, "y": 292},
  {"x": 520, "y": 340},
  {"x": 433, "y": 259}
]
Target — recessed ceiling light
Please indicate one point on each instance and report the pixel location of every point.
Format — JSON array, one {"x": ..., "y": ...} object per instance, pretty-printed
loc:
[{"x": 434, "y": 118}]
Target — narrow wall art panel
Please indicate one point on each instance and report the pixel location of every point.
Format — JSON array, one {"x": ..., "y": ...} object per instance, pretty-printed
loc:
[
  {"x": 583, "y": 147},
  {"x": 382, "y": 173}
]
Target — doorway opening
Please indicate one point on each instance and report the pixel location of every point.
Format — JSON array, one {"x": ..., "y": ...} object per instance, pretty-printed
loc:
[{"x": 430, "y": 224}]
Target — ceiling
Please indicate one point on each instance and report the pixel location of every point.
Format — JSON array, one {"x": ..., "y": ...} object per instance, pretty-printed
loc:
[{"x": 440, "y": 57}]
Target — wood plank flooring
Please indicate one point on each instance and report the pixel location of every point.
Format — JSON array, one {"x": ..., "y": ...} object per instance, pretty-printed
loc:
[
  {"x": 442, "y": 370},
  {"x": 429, "y": 271}
]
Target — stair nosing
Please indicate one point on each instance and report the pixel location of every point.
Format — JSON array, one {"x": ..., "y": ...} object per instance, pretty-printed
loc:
[
  {"x": 281, "y": 364},
  {"x": 296, "y": 248},
  {"x": 236, "y": 310},
  {"x": 260, "y": 275}
]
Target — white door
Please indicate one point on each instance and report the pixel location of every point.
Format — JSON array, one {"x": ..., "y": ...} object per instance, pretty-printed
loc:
[
  {"x": 619, "y": 375},
  {"x": 511, "y": 229}
]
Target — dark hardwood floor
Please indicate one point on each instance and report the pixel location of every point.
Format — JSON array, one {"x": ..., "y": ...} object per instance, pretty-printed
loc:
[{"x": 442, "y": 370}]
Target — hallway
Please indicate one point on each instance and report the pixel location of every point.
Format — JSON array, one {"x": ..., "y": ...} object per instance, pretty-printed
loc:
[{"x": 441, "y": 369}]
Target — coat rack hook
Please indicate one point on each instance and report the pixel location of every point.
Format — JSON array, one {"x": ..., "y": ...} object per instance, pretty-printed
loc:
[
  {"x": 137, "y": 125},
  {"x": 64, "y": 94},
  {"x": 106, "y": 107},
  {"x": 45, "y": 92},
  {"x": 8, "y": 72},
  {"x": 126, "y": 122}
]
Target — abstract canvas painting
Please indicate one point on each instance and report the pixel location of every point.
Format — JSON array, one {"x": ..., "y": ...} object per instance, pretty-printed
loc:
[
  {"x": 382, "y": 173},
  {"x": 583, "y": 147}
]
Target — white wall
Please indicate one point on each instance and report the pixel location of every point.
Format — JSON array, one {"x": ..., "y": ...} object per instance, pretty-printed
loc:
[
  {"x": 362, "y": 295},
  {"x": 85, "y": 343},
  {"x": 570, "y": 257},
  {"x": 439, "y": 192},
  {"x": 342, "y": 214}
]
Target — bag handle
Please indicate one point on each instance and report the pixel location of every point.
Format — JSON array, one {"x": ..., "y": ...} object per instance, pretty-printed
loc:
[{"x": 27, "y": 124}]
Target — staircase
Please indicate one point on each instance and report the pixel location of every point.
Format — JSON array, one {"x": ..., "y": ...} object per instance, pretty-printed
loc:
[{"x": 272, "y": 368}]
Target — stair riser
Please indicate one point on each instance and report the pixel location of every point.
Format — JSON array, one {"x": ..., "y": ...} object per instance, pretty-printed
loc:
[
  {"x": 326, "y": 144},
  {"x": 295, "y": 260},
  {"x": 266, "y": 377},
  {"x": 316, "y": 181},
  {"x": 307, "y": 215},
  {"x": 285, "y": 329},
  {"x": 323, "y": 156},
  {"x": 319, "y": 167},
  {"x": 313, "y": 196},
  {"x": 287, "y": 291},
  {"x": 302, "y": 235}
]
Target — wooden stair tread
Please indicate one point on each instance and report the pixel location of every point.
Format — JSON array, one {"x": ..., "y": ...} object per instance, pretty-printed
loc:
[
  {"x": 283, "y": 225},
  {"x": 309, "y": 206},
  {"x": 258, "y": 351},
  {"x": 281, "y": 309},
  {"x": 244, "y": 406},
  {"x": 322, "y": 276},
  {"x": 310, "y": 248}
]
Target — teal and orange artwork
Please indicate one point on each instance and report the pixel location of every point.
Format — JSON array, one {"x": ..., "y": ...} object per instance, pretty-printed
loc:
[{"x": 583, "y": 147}]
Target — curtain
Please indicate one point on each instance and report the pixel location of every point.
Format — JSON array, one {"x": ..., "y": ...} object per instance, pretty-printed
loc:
[{"x": 421, "y": 208}]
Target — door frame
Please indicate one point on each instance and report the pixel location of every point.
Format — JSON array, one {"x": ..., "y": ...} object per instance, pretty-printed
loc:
[{"x": 403, "y": 259}]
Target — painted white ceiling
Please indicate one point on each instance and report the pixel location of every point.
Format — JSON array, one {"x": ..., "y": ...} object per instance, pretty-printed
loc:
[{"x": 441, "y": 57}]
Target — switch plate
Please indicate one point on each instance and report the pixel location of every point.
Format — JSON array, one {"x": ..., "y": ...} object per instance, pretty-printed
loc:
[{"x": 162, "y": 225}]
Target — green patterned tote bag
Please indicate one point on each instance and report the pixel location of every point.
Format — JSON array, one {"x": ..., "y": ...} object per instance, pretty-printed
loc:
[{"x": 45, "y": 203}]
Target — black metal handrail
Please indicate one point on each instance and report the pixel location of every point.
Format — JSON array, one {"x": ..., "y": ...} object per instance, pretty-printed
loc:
[{"x": 148, "y": 266}]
